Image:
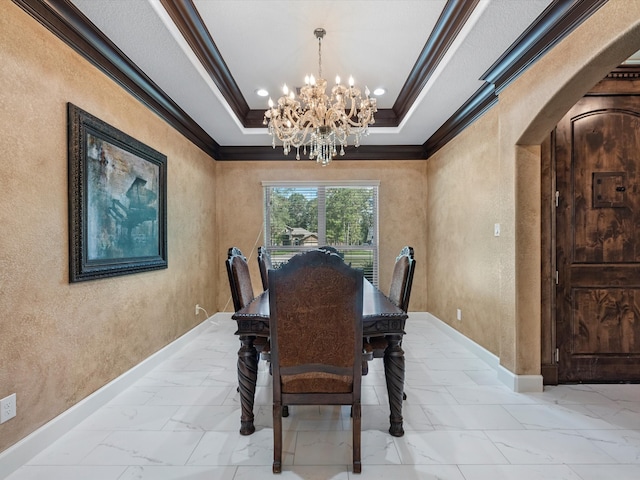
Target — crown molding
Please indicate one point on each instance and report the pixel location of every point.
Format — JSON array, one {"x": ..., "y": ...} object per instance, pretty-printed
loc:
[
  {"x": 482, "y": 100},
  {"x": 453, "y": 17},
  {"x": 625, "y": 72},
  {"x": 64, "y": 20},
  {"x": 363, "y": 152},
  {"x": 186, "y": 17},
  {"x": 557, "y": 21}
]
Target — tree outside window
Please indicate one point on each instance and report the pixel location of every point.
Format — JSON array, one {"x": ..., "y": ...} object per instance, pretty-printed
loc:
[{"x": 302, "y": 216}]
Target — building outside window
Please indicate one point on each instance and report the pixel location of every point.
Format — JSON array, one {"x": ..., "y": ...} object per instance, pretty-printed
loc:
[{"x": 300, "y": 216}]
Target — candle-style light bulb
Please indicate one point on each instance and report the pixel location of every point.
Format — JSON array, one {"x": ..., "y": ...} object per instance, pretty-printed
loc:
[
  {"x": 312, "y": 80},
  {"x": 366, "y": 91},
  {"x": 306, "y": 80},
  {"x": 337, "y": 80},
  {"x": 285, "y": 89},
  {"x": 351, "y": 82},
  {"x": 292, "y": 95},
  {"x": 270, "y": 103}
]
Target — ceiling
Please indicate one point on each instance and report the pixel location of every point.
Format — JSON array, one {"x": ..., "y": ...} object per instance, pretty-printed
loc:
[{"x": 198, "y": 63}]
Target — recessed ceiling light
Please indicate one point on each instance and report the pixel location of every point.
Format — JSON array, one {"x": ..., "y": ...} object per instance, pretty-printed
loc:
[
  {"x": 379, "y": 91},
  {"x": 261, "y": 92}
]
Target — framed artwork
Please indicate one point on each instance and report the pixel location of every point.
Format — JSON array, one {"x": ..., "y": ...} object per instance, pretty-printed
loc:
[{"x": 117, "y": 201}]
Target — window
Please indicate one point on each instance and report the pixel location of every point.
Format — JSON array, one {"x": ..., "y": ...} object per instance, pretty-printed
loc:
[{"x": 300, "y": 216}]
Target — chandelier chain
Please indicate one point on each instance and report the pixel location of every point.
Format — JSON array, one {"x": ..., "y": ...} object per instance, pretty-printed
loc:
[{"x": 320, "y": 56}]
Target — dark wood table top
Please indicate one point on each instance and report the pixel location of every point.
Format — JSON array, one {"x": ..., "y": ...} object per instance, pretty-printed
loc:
[{"x": 379, "y": 315}]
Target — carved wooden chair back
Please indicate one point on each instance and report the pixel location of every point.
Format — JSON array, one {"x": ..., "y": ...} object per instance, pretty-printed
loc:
[
  {"x": 329, "y": 248},
  {"x": 264, "y": 263},
  {"x": 402, "y": 278},
  {"x": 239, "y": 278},
  {"x": 315, "y": 303}
]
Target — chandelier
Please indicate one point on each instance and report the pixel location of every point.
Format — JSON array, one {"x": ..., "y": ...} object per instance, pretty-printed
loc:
[{"x": 319, "y": 122}]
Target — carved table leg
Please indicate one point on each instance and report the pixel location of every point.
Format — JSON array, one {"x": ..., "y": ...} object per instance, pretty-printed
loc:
[
  {"x": 247, "y": 378},
  {"x": 394, "y": 375}
]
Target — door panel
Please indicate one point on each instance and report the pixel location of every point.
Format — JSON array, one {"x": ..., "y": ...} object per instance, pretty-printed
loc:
[
  {"x": 605, "y": 321},
  {"x": 598, "y": 241}
]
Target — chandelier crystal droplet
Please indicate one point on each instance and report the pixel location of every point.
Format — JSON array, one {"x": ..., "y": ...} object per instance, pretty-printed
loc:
[{"x": 318, "y": 122}]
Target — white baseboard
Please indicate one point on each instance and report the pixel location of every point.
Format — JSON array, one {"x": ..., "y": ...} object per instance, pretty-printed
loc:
[
  {"x": 517, "y": 383},
  {"x": 20, "y": 453},
  {"x": 520, "y": 383}
]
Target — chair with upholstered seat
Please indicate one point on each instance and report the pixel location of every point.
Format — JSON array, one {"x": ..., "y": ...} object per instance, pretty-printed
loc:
[
  {"x": 315, "y": 303},
  {"x": 399, "y": 294}
]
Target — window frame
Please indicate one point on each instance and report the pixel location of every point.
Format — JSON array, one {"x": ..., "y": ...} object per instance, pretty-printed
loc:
[{"x": 322, "y": 186}]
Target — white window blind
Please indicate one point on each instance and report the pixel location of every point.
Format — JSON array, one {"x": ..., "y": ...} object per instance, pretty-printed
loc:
[{"x": 300, "y": 216}]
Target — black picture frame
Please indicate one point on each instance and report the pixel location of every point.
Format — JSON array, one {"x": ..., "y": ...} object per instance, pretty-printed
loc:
[{"x": 117, "y": 201}]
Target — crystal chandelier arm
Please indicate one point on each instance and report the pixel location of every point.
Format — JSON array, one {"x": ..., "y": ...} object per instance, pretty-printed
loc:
[
  {"x": 293, "y": 135},
  {"x": 339, "y": 125},
  {"x": 310, "y": 119},
  {"x": 291, "y": 116}
]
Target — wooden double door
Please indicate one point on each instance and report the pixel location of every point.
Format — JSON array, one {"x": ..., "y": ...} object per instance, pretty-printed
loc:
[{"x": 597, "y": 240}]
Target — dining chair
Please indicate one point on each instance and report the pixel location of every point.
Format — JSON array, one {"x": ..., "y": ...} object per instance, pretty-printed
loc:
[
  {"x": 399, "y": 294},
  {"x": 315, "y": 303},
  {"x": 242, "y": 292},
  {"x": 264, "y": 263},
  {"x": 239, "y": 278},
  {"x": 402, "y": 278}
]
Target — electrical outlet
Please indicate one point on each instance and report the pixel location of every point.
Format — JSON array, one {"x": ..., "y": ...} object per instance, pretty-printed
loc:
[
  {"x": 200, "y": 309},
  {"x": 8, "y": 408},
  {"x": 459, "y": 314}
]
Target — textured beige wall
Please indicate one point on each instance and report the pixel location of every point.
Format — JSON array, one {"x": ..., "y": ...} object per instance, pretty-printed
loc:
[
  {"x": 463, "y": 204},
  {"x": 402, "y": 200},
  {"x": 60, "y": 342},
  {"x": 506, "y": 142}
]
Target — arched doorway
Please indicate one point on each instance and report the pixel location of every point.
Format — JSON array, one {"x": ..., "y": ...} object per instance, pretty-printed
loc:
[
  {"x": 601, "y": 59},
  {"x": 590, "y": 194}
]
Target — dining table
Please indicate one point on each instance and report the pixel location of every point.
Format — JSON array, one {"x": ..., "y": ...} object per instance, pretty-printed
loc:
[{"x": 380, "y": 317}]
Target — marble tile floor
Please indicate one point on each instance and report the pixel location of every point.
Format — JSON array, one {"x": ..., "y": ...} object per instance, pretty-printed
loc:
[{"x": 181, "y": 421}]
